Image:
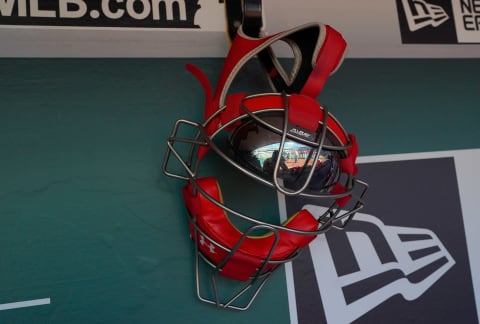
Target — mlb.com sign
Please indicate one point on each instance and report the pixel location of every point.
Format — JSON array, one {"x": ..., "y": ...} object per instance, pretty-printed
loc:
[
  {"x": 100, "y": 13},
  {"x": 439, "y": 21}
]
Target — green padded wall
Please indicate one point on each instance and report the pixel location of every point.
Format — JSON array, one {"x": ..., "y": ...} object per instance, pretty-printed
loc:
[{"x": 87, "y": 218}]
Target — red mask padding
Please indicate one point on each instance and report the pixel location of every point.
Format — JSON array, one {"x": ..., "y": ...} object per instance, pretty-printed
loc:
[{"x": 213, "y": 221}]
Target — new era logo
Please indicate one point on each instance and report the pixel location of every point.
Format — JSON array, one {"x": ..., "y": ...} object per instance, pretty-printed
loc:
[
  {"x": 420, "y": 14},
  {"x": 427, "y": 21},
  {"x": 386, "y": 261},
  {"x": 403, "y": 259}
]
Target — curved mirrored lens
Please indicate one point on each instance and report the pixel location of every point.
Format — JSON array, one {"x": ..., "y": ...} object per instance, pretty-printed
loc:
[{"x": 257, "y": 149}]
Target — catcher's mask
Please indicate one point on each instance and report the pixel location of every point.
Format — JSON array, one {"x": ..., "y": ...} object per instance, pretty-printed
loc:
[{"x": 284, "y": 140}]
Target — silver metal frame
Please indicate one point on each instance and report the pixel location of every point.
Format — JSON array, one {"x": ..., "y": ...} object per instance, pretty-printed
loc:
[{"x": 333, "y": 217}]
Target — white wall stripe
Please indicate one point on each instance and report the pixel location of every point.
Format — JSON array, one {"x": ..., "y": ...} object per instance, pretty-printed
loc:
[{"x": 26, "y": 303}]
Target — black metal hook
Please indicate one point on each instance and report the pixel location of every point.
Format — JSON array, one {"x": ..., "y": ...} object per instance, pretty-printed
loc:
[{"x": 245, "y": 13}]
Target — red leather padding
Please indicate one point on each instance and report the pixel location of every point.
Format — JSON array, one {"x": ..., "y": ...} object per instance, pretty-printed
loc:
[
  {"x": 349, "y": 164},
  {"x": 213, "y": 221},
  {"x": 328, "y": 60}
]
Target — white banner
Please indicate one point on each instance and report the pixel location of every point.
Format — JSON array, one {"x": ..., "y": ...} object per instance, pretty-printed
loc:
[{"x": 196, "y": 28}]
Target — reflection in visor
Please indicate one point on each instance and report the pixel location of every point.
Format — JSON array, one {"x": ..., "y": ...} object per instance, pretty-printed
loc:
[{"x": 257, "y": 149}]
